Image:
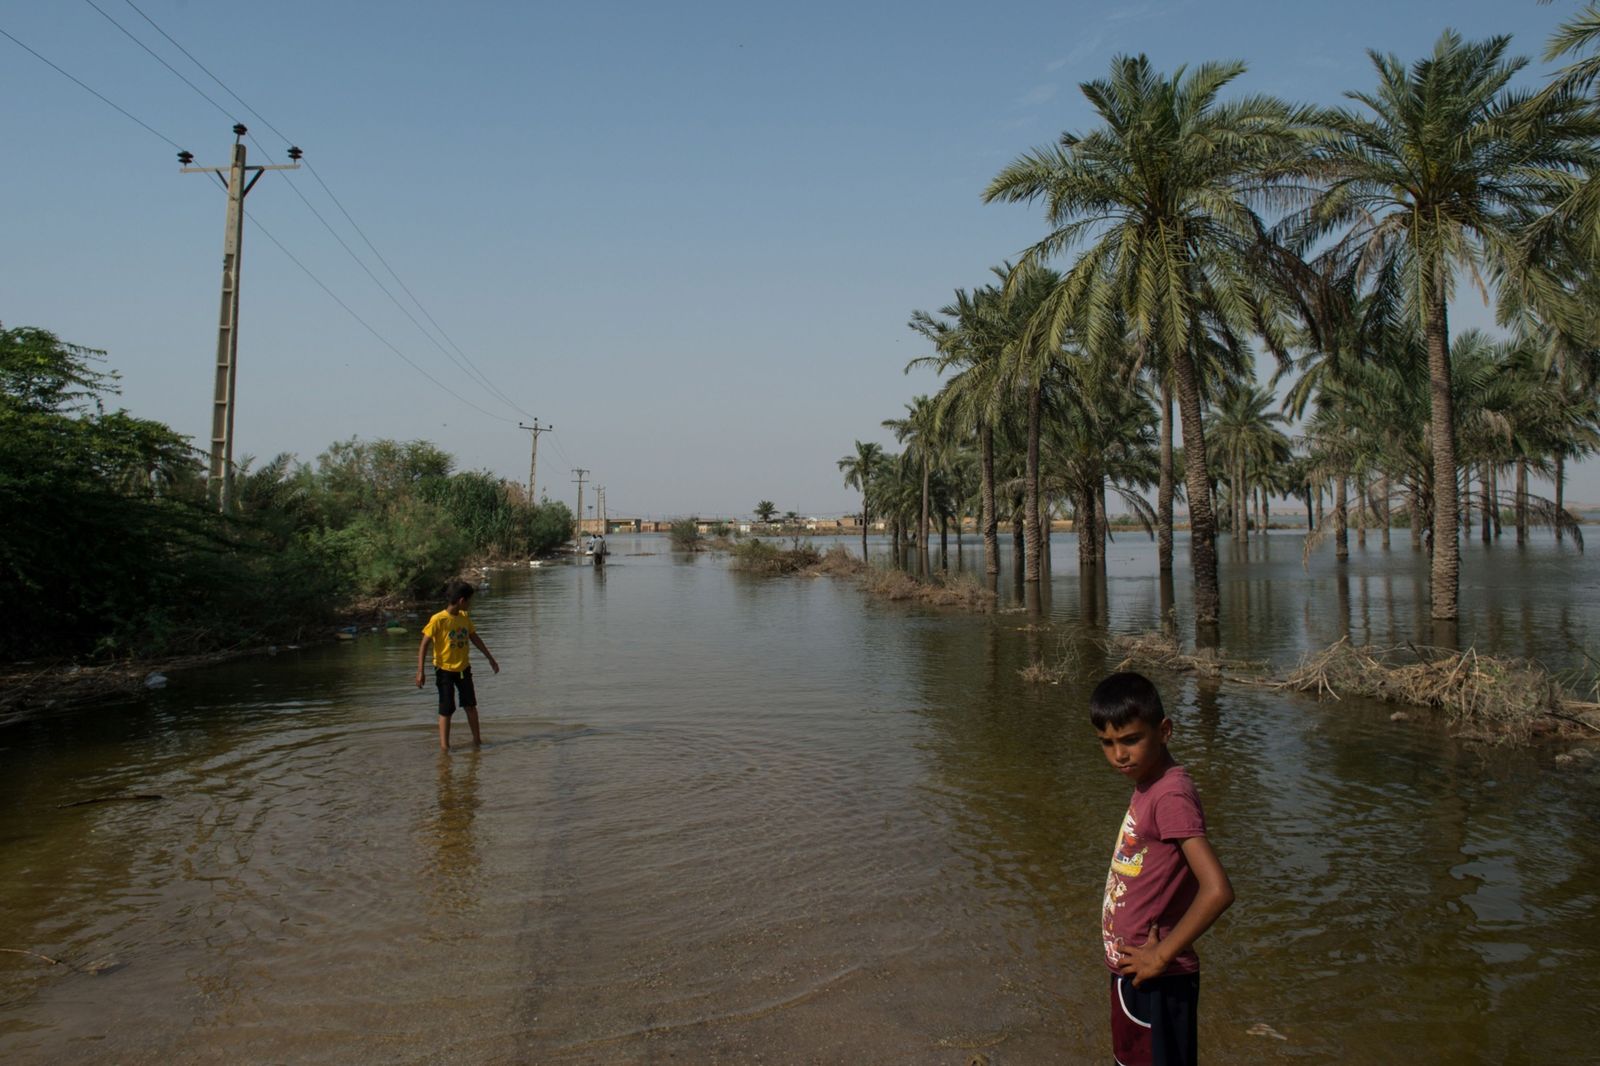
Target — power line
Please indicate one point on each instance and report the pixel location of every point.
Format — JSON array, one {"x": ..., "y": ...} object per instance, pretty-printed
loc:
[
  {"x": 264, "y": 232},
  {"x": 175, "y": 73},
  {"x": 208, "y": 73},
  {"x": 122, "y": 110},
  {"x": 364, "y": 324},
  {"x": 465, "y": 362},
  {"x": 478, "y": 379},
  {"x": 349, "y": 218}
]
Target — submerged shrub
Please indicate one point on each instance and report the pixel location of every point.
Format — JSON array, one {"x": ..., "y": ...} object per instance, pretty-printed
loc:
[
  {"x": 686, "y": 534},
  {"x": 763, "y": 557}
]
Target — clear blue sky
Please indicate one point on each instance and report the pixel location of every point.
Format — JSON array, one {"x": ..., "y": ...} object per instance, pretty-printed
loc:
[{"x": 690, "y": 235}]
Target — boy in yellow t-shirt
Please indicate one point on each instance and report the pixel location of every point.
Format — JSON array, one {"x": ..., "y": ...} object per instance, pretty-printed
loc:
[{"x": 449, "y": 632}]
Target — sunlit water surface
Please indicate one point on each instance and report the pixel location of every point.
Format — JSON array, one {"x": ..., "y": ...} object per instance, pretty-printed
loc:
[{"x": 722, "y": 818}]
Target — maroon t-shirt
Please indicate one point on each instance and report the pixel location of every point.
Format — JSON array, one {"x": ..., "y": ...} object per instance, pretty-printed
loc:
[{"x": 1150, "y": 882}]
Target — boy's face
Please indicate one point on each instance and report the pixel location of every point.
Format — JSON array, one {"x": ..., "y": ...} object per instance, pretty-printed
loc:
[{"x": 1136, "y": 750}]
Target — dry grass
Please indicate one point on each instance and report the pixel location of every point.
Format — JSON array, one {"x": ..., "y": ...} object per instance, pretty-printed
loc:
[
  {"x": 1163, "y": 652},
  {"x": 839, "y": 562},
  {"x": 762, "y": 557},
  {"x": 1485, "y": 697},
  {"x": 942, "y": 590},
  {"x": 1041, "y": 674}
]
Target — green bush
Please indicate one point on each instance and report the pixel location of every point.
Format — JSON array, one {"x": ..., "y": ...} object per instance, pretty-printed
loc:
[
  {"x": 410, "y": 548},
  {"x": 111, "y": 542},
  {"x": 686, "y": 534}
]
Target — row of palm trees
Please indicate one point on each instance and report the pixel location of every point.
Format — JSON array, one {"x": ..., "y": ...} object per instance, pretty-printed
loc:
[{"x": 1186, "y": 231}]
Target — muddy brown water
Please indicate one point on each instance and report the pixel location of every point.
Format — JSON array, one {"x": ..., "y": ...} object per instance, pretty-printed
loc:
[{"x": 732, "y": 819}]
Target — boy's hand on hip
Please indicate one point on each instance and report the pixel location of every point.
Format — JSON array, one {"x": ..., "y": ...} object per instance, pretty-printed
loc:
[{"x": 1142, "y": 961}]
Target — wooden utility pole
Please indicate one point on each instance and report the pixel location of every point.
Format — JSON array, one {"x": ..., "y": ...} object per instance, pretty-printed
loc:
[
  {"x": 582, "y": 476},
  {"x": 533, "y": 454},
  {"x": 220, "y": 484}
]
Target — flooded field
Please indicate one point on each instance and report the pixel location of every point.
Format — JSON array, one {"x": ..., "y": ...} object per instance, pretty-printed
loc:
[{"x": 721, "y": 818}]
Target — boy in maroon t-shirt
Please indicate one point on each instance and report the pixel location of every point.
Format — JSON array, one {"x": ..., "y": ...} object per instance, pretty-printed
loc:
[{"x": 1165, "y": 887}]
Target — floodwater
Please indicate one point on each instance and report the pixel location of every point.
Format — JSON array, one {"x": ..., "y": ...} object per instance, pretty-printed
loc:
[{"x": 730, "y": 819}]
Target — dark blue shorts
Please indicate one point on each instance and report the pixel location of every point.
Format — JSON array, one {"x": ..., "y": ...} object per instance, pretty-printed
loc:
[
  {"x": 1156, "y": 1023},
  {"x": 450, "y": 682}
]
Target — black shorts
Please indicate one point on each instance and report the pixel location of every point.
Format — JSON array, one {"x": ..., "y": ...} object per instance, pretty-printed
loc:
[
  {"x": 1155, "y": 1024},
  {"x": 449, "y": 683}
]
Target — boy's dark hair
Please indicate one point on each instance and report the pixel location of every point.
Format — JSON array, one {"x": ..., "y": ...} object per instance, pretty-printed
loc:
[
  {"x": 1121, "y": 698},
  {"x": 457, "y": 589}
]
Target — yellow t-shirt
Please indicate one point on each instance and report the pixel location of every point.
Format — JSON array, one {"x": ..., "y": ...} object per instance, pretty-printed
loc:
[{"x": 451, "y": 635}]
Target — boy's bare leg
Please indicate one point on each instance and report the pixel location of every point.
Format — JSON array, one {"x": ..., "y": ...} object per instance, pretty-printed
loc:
[
  {"x": 444, "y": 732},
  {"x": 472, "y": 720}
]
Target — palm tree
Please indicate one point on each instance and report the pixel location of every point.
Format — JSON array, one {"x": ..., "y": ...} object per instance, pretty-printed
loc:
[
  {"x": 764, "y": 511},
  {"x": 1433, "y": 176},
  {"x": 972, "y": 340},
  {"x": 1099, "y": 434},
  {"x": 858, "y": 470},
  {"x": 926, "y": 449},
  {"x": 1247, "y": 439},
  {"x": 1162, "y": 194}
]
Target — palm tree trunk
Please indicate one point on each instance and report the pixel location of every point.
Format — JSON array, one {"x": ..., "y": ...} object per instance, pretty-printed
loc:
[
  {"x": 1018, "y": 539},
  {"x": 1561, "y": 496},
  {"x": 987, "y": 517},
  {"x": 866, "y": 520},
  {"x": 1446, "y": 514},
  {"x": 1043, "y": 521},
  {"x": 944, "y": 542},
  {"x": 1030, "y": 488},
  {"x": 923, "y": 528},
  {"x": 1385, "y": 510},
  {"x": 1085, "y": 527},
  {"x": 1197, "y": 480},
  {"x": 1045, "y": 562},
  {"x": 1241, "y": 524},
  {"x": 1486, "y": 482},
  {"x": 1164, "y": 490},
  {"x": 1102, "y": 523},
  {"x": 1341, "y": 519},
  {"x": 1311, "y": 521},
  {"x": 1522, "y": 501},
  {"x": 1466, "y": 501},
  {"x": 1416, "y": 516},
  {"x": 1494, "y": 481},
  {"x": 1321, "y": 514},
  {"x": 1361, "y": 511}
]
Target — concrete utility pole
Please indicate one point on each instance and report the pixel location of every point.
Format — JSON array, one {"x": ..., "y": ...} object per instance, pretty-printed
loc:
[
  {"x": 600, "y": 507},
  {"x": 582, "y": 476},
  {"x": 220, "y": 484},
  {"x": 533, "y": 454}
]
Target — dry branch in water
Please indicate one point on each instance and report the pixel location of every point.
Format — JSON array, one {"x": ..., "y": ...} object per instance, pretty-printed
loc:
[
  {"x": 1486, "y": 697},
  {"x": 1165, "y": 653}
]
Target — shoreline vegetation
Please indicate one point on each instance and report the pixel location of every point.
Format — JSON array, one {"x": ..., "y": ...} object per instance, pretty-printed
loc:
[
  {"x": 1483, "y": 697},
  {"x": 1486, "y": 698},
  {"x": 115, "y": 540},
  {"x": 940, "y": 589}
]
